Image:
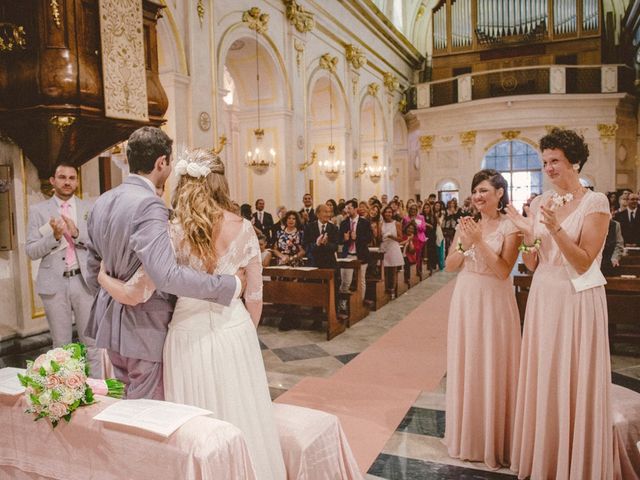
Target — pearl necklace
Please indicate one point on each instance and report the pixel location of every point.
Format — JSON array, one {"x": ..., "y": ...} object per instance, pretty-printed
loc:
[{"x": 561, "y": 200}]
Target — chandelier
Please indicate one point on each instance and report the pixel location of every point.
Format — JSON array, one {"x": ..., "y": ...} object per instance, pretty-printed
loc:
[
  {"x": 332, "y": 167},
  {"x": 375, "y": 170},
  {"x": 256, "y": 157}
]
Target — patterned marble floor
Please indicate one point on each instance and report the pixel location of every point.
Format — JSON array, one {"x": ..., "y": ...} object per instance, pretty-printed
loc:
[{"x": 415, "y": 450}]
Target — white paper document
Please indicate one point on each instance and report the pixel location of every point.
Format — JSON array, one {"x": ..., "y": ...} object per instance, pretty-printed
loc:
[
  {"x": 162, "y": 418},
  {"x": 9, "y": 383}
]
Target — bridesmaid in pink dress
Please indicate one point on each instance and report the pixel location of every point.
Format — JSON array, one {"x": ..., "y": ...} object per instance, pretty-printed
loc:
[
  {"x": 564, "y": 428},
  {"x": 483, "y": 344}
]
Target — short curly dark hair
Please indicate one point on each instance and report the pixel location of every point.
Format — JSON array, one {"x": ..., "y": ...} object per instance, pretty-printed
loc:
[{"x": 571, "y": 144}]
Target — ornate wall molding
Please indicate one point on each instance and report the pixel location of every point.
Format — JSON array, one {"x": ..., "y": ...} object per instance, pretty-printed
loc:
[
  {"x": 200, "y": 10},
  {"x": 299, "y": 48},
  {"x": 372, "y": 89},
  {"x": 426, "y": 142},
  {"x": 123, "y": 60},
  {"x": 354, "y": 56},
  {"x": 299, "y": 17},
  {"x": 256, "y": 20},
  {"x": 402, "y": 105},
  {"x": 390, "y": 81},
  {"x": 549, "y": 128},
  {"x": 327, "y": 62},
  {"x": 607, "y": 131},
  {"x": 468, "y": 139},
  {"x": 511, "y": 134}
]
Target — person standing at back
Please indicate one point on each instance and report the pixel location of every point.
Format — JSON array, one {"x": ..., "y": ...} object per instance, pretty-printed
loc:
[
  {"x": 307, "y": 211},
  {"x": 355, "y": 233},
  {"x": 57, "y": 235},
  {"x": 629, "y": 220}
]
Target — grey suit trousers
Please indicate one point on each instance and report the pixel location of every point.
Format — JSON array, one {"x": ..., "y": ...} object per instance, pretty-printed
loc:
[{"x": 73, "y": 301}]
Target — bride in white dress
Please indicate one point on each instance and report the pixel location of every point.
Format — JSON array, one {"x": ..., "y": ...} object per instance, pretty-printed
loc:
[{"x": 212, "y": 356}]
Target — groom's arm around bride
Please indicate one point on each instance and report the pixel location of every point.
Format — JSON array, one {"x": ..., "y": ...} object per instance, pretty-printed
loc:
[{"x": 128, "y": 227}]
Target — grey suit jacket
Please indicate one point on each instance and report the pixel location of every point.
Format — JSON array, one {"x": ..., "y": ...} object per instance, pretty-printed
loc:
[
  {"x": 45, "y": 247},
  {"x": 128, "y": 227}
]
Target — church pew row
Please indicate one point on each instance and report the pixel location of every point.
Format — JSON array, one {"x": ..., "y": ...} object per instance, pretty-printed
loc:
[{"x": 623, "y": 305}]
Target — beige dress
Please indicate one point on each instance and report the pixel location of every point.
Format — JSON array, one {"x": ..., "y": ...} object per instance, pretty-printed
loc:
[
  {"x": 483, "y": 349},
  {"x": 563, "y": 424}
]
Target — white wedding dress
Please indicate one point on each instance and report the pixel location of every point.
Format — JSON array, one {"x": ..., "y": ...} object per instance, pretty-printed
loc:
[{"x": 212, "y": 356}]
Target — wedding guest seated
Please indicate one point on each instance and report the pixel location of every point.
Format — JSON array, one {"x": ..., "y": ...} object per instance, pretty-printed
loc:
[
  {"x": 265, "y": 253},
  {"x": 289, "y": 241},
  {"x": 613, "y": 249}
]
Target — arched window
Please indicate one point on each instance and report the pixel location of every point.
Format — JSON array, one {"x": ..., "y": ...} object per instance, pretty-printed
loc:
[
  {"x": 447, "y": 189},
  {"x": 520, "y": 165}
]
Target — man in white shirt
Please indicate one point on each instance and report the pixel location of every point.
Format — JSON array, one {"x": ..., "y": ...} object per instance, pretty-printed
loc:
[
  {"x": 57, "y": 236},
  {"x": 307, "y": 212},
  {"x": 262, "y": 220}
]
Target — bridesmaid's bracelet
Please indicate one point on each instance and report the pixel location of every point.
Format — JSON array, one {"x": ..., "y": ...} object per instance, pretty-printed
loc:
[
  {"x": 464, "y": 252},
  {"x": 524, "y": 248}
]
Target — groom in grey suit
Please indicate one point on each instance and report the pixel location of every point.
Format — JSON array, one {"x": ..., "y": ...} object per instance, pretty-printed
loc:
[
  {"x": 128, "y": 227},
  {"x": 57, "y": 236}
]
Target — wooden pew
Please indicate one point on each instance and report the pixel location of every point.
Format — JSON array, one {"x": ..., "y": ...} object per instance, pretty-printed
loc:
[
  {"x": 357, "y": 310},
  {"x": 628, "y": 270},
  {"x": 376, "y": 290},
  {"x": 401, "y": 285},
  {"x": 630, "y": 260},
  {"x": 319, "y": 292},
  {"x": 623, "y": 305}
]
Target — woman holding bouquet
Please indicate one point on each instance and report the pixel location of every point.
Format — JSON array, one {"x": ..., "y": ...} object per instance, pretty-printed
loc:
[
  {"x": 483, "y": 342},
  {"x": 212, "y": 356},
  {"x": 564, "y": 428}
]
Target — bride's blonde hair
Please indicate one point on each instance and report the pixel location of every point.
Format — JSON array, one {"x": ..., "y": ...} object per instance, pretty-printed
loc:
[{"x": 199, "y": 204}]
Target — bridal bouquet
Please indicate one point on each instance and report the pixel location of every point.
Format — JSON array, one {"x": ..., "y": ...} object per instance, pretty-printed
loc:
[{"x": 57, "y": 383}]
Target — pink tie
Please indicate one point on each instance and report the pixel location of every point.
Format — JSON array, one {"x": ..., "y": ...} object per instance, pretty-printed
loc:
[{"x": 70, "y": 257}]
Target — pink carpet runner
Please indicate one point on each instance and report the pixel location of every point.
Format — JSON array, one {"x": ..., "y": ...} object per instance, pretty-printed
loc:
[{"x": 372, "y": 393}]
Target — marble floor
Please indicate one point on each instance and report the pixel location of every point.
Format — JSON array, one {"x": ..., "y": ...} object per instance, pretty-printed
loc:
[{"x": 415, "y": 450}]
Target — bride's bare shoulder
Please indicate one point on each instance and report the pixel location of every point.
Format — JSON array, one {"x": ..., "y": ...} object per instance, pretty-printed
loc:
[{"x": 232, "y": 217}]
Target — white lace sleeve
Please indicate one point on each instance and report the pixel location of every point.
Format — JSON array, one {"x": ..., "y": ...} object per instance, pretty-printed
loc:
[
  {"x": 138, "y": 289},
  {"x": 253, "y": 292}
]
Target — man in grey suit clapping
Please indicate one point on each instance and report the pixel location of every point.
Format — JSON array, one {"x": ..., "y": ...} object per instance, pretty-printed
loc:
[
  {"x": 57, "y": 236},
  {"x": 128, "y": 228}
]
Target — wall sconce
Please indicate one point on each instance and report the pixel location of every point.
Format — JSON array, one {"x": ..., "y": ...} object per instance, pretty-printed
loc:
[{"x": 308, "y": 163}]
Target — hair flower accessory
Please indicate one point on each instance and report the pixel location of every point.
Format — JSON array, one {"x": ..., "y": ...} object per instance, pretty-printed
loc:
[
  {"x": 191, "y": 168},
  {"x": 181, "y": 167}
]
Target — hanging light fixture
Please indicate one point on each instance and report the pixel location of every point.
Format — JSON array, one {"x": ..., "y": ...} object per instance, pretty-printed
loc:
[
  {"x": 332, "y": 167},
  {"x": 375, "y": 170},
  {"x": 257, "y": 158}
]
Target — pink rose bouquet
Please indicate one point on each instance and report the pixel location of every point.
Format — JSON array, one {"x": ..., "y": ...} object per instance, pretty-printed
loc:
[{"x": 57, "y": 383}]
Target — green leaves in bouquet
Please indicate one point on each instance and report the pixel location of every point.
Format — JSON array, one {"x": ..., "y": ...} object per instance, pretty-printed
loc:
[{"x": 88, "y": 395}]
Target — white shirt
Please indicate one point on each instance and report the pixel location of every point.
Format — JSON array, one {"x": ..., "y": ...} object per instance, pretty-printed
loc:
[{"x": 73, "y": 215}]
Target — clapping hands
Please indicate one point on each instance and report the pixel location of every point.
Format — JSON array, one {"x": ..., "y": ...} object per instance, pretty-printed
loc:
[
  {"x": 524, "y": 224},
  {"x": 470, "y": 232}
]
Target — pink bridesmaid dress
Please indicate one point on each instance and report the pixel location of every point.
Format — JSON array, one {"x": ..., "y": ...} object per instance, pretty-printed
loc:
[
  {"x": 483, "y": 350},
  {"x": 564, "y": 427}
]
